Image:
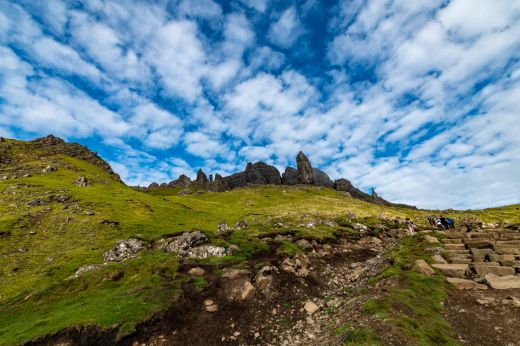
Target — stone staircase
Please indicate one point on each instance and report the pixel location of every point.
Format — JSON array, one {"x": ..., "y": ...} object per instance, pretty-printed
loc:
[{"x": 481, "y": 258}]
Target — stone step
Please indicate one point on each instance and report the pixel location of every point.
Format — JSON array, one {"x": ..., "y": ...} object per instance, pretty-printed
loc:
[
  {"x": 503, "y": 282},
  {"x": 452, "y": 269},
  {"x": 452, "y": 241},
  {"x": 513, "y": 235},
  {"x": 506, "y": 249},
  {"x": 480, "y": 235},
  {"x": 454, "y": 246},
  {"x": 479, "y": 244},
  {"x": 512, "y": 242},
  {"x": 463, "y": 284},
  {"x": 484, "y": 268},
  {"x": 479, "y": 255},
  {"x": 458, "y": 252},
  {"x": 455, "y": 235},
  {"x": 461, "y": 260}
]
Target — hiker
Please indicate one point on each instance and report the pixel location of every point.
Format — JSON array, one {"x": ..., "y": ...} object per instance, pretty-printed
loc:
[
  {"x": 444, "y": 223},
  {"x": 410, "y": 226},
  {"x": 438, "y": 223},
  {"x": 451, "y": 223}
]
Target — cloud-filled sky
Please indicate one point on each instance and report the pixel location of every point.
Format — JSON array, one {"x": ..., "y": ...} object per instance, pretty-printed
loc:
[{"x": 417, "y": 99}]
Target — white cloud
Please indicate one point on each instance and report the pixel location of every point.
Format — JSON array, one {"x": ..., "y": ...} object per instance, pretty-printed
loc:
[
  {"x": 178, "y": 57},
  {"x": 206, "y": 9},
  {"x": 287, "y": 29},
  {"x": 156, "y": 127},
  {"x": 259, "y": 5}
]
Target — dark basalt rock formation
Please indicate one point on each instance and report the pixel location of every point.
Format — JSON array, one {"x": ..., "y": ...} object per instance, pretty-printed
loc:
[
  {"x": 255, "y": 173},
  {"x": 322, "y": 179},
  {"x": 290, "y": 176},
  {"x": 202, "y": 179},
  {"x": 346, "y": 186},
  {"x": 182, "y": 181},
  {"x": 305, "y": 171},
  {"x": 54, "y": 146},
  {"x": 218, "y": 185}
]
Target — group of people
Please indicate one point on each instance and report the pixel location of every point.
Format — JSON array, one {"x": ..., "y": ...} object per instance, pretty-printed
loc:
[{"x": 442, "y": 223}]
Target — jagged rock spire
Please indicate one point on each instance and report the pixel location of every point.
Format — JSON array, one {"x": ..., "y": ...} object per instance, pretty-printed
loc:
[{"x": 304, "y": 168}]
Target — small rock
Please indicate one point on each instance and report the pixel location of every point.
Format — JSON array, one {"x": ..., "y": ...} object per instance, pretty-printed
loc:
[
  {"x": 82, "y": 182},
  {"x": 196, "y": 271},
  {"x": 249, "y": 291},
  {"x": 485, "y": 300},
  {"x": 304, "y": 244},
  {"x": 515, "y": 301},
  {"x": 310, "y": 307}
]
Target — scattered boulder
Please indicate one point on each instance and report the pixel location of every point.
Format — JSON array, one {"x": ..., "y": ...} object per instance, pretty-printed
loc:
[
  {"x": 304, "y": 244},
  {"x": 223, "y": 229},
  {"x": 36, "y": 203},
  {"x": 183, "y": 242},
  {"x": 502, "y": 282},
  {"x": 210, "y": 306},
  {"x": 304, "y": 169},
  {"x": 240, "y": 225},
  {"x": 82, "y": 182},
  {"x": 123, "y": 250},
  {"x": 204, "y": 251},
  {"x": 85, "y": 269},
  {"x": 299, "y": 265},
  {"x": 424, "y": 268},
  {"x": 290, "y": 176},
  {"x": 236, "y": 285},
  {"x": 264, "y": 278},
  {"x": 48, "y": 169},
  {"x": 196, "y": 271}
]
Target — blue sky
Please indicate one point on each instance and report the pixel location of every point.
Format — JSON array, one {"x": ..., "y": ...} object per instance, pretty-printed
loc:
[{"x": 418, "y": 99}]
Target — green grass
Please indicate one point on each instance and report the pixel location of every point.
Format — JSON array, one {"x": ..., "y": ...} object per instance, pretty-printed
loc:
[
  {"x": 413, "y": 302},
  {"x": 35, "y": 295},
  {"x": 352, "y": 336}
]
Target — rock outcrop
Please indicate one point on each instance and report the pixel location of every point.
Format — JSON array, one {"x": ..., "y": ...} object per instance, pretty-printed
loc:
[
  {"x": 202, "y": 179},
  {"x": 290, "y": 176},
  {"x": 182, "y": 181},
  {"x": 304, "y": 168},
  {"x": 322, "y": 179},
  {"x": 218, "y": 184},
  {"x": 255, "y": 173}
]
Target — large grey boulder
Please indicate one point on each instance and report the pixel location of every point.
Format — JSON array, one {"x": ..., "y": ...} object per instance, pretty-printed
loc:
[
  {"x": 183, "y": 242},
  {"x": 290, "y": 176},
  {"x": 304, "y": 168},
  {"x": 124, "y": 249},
  {"x": 322, "y": 179}
]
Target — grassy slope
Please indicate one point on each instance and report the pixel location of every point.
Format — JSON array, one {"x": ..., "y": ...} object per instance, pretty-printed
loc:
[{"x": 37, "y": 298}]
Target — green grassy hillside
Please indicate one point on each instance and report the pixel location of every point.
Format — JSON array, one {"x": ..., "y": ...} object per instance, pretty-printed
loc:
[{"x": 42, "y": 246}]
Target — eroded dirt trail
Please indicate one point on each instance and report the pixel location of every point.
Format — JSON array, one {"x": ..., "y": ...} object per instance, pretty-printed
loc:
[{"x": 293, "y": 310}]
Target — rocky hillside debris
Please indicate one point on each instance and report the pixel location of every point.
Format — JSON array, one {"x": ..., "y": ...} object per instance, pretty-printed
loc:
[
  {"x": 304, "y": 169},
  {"x": 223, "y": 230},
  {"x": 236, "y": 285},
  {"x": 193, "y": 245},
  {"x": 263, "y": 279},
  {"x": 197, "y": 271},
  {"x": 123, "y": 250},
  {"x": 82, "y": 181},
  {"x": 310, "y": 307},
  {"x": 298, "y": 265},
  {"x": 210, "y": 306},
  {"x": 37, "y": 203},
  {"x": 49, "y": 169},
  {"x": 304, "y": 244},
  {"x": 84, "y": 269},
  {"x": 290, "y": 176}
]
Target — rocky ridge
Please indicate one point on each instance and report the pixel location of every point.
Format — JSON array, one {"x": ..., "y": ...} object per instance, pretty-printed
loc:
[{"x": 260, "y": 173}]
